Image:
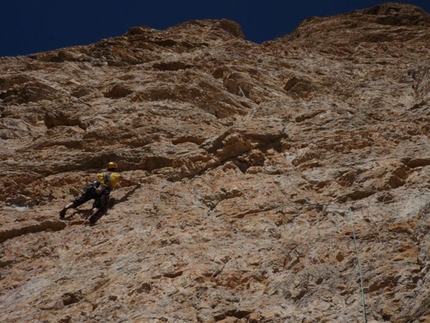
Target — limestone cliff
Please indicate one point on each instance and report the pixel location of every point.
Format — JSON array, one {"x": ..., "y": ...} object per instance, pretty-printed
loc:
[{"x": 275, "y": 177}]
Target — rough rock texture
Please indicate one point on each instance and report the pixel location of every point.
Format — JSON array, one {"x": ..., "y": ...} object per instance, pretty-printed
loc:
[{"x": 264, "y": 169}]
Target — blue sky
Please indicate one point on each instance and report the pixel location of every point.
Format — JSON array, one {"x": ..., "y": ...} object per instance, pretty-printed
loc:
[{"x": 30, "y": 26}]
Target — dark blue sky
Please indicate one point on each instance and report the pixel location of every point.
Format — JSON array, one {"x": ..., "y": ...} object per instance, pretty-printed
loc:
[{"x": 30, "y": 26}]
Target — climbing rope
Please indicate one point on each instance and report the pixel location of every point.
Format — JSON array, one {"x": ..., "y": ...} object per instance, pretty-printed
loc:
[
  {"x": 158, "y": 201},
  {"x": 363, "y": 303}
]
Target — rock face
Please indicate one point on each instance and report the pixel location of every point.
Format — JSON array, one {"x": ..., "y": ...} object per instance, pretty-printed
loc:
[{"x": 275, "y": 177}]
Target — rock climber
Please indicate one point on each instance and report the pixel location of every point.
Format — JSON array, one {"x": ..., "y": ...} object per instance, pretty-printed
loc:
[{"x": 99, "y": 191}]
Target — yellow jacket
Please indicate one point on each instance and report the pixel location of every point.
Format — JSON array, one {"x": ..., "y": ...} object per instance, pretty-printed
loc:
[{"x": 109, "y": 179}]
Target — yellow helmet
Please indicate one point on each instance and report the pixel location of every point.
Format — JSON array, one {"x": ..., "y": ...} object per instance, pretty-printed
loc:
[{"x": 112, "y": 166}]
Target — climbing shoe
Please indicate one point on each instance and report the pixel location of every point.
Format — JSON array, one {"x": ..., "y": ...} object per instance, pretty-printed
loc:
[
  {"x": 96, "y": 216},
  {"x": 93, "y": 219},
  {"x": 63, "y": 214}
]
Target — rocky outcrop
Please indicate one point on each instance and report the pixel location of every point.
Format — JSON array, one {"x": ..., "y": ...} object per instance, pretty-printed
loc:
[{"x": 275, "y": 177}]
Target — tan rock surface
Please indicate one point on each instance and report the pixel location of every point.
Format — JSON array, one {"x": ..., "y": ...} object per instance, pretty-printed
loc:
[{"x": 259, "y": 165}]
